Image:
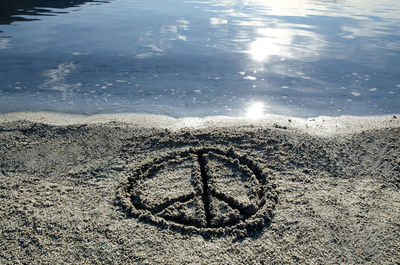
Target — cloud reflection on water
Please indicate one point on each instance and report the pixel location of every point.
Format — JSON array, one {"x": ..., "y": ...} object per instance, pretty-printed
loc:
[
  {"x": 56, "y": 79},
  {"x": 157, "y": 42},
  {"x": 4, "y": 42}
]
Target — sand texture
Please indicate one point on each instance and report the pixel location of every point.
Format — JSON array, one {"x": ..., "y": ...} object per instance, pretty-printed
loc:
[{"x": 137, "y": 189}]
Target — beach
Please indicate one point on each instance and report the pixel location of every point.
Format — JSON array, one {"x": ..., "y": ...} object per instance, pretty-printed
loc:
[{"x": 147, "y": 189}]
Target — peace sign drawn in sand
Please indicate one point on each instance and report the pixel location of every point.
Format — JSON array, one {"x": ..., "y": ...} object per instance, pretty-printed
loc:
[{"x": 206, "y": 190}]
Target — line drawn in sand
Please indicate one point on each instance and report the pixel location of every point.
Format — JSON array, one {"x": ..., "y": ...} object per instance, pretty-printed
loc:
[{"x": 206, "y": 190}]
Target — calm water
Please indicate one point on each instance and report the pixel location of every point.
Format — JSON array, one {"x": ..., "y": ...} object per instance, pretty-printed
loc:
[{"x": 199, "y": 58}]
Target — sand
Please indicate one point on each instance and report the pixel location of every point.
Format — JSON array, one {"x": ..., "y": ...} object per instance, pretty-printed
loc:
[{"x": 140, "y": 189}]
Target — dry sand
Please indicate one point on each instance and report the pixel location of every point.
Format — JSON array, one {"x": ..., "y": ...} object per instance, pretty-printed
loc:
[{"x": 123, "y": 189}]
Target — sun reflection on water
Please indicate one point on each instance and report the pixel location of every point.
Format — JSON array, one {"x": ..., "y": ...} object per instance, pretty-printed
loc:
[
  {"x": 285, "y": 42},
  {"x": 261, "y": 48},
  {"x": 255, "y": 111}
]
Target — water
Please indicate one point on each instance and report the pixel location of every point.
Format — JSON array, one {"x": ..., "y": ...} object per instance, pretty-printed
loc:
[{"x": 199, "y": 58}]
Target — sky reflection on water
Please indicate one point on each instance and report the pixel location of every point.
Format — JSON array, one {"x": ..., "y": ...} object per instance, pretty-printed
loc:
[{"x": 199, "y": 58}]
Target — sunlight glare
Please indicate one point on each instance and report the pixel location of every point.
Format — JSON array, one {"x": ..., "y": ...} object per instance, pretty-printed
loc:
[
  {"x": 273, "y": 42},
  {"x": 255, "y": 111},
  {"x": 261, "y": 48}
]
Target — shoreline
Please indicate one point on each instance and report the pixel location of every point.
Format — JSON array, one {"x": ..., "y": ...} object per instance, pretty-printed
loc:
[{"x": 321, "y": 126}]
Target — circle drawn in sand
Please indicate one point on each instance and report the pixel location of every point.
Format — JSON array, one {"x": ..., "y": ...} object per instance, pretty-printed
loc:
[{"x": 205, "y": 190}]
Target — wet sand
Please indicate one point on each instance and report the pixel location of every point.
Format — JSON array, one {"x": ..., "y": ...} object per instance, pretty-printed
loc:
[{"x": 143, "y": 189}]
